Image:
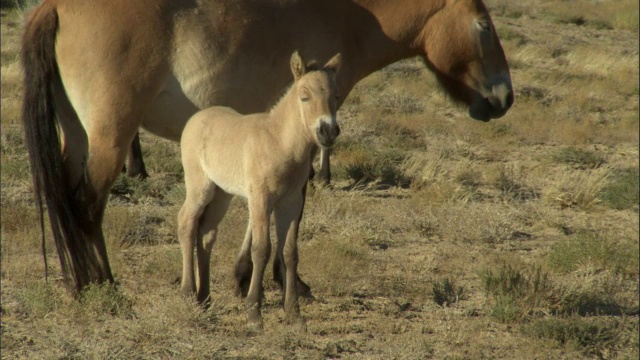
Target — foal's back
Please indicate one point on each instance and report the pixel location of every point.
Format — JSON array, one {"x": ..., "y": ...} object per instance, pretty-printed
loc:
[{"x": 219, "y": 141}]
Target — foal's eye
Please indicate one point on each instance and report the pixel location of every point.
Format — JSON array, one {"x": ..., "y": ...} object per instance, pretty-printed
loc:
[{"x": 304, "y": 99}]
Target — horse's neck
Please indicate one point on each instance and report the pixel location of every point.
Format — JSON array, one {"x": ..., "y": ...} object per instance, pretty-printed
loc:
[
  {"x": 381, "y": 35},
  {"x": 293, "y": 135}
]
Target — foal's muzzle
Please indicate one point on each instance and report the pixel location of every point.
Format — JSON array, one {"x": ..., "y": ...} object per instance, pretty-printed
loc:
[{"x": 327, "y": 133}]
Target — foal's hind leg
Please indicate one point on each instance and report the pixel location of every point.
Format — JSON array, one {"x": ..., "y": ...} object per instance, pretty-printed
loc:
[
  {"x": 135, "y": 163},
  {"x": 303, "y": 289},
  {"x": 200, "y": 191},
  {"x": 209, "y": 221},
  {"x": 244, "y": 266},
  {"x": 287, "y": 216},
  {"x": 244, "y": 269}
]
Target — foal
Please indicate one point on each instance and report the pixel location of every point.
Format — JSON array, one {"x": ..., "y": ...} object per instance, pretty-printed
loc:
[{"x": 265, "y": 158}]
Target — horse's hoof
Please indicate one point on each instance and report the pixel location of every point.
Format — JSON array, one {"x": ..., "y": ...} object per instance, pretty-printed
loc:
[
  {"x": 142, "y": 175},
  {"x": 304, "y": 290},
  {"x": 204, "y": 301},
  {"x": 323, "y": 184},
  {"x": 243, "y": 278}
]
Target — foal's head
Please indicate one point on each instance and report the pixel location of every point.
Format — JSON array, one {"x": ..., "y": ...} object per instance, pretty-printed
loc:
[
  {"x": 316, "y": 94},
  {"x": 461, "y": 46}
]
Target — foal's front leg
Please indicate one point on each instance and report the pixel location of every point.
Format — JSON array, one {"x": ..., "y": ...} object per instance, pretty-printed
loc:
[
  {"x": 259, "y": 213},
  {"x": 288, "y": 214}
]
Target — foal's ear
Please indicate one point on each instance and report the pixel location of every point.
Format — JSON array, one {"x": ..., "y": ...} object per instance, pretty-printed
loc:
[
  {"x": 297, "y": 65},
  {"x": 334, "y": 64}
]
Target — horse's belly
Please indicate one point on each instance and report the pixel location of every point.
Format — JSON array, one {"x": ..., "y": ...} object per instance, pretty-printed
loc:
[{"x": 169, "y": 112}]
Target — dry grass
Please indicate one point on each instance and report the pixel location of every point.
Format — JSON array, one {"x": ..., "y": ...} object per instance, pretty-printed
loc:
[{"x": 442, "y": 238}]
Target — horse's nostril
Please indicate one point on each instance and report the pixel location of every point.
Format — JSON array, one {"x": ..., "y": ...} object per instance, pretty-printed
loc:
[
  {"x": 510, "y": 99},
  {"x": 337, "y": 130}
]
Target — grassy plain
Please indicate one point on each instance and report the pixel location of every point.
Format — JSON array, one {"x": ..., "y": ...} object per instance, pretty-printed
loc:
[{"x": 442, "y": 238}]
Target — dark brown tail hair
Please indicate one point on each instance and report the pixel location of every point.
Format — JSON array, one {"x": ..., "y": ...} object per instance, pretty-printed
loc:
[{"x": 38, "y": 58}]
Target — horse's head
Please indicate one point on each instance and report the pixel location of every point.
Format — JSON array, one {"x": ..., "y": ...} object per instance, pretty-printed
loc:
[
  {"x": 317, "y": 95},
  {"x": 462, "y": 48}
]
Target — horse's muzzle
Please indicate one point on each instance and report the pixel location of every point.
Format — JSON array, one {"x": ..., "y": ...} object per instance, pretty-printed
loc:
[
  {"x": 493, "y": 106},
  {"x": 327, "y": 133}
]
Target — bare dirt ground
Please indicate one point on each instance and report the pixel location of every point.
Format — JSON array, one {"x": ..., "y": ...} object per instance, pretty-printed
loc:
[{"x": 441, "y": 238}]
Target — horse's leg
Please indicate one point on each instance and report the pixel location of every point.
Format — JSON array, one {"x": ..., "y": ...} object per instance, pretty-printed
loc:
[
  {"x": 135, "y": 163},
  {"x": 259, "y": 213},
  {"x": 210, "y": 219},
  {"x": 324, "y": 176},
  {"x": 109, "y": 95},
  {"x": 90, "y": 193},
  {"x": 287, "y": 217}
]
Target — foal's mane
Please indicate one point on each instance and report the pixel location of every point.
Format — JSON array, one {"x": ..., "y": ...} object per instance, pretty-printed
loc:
[{"x": 310, "y": 67}]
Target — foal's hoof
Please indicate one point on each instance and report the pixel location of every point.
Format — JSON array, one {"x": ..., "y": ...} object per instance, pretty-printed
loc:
[
  {"x": 297, "y": 322},
  {"x": 187, "y": 292},
  {"x": 255, "y": 328}
]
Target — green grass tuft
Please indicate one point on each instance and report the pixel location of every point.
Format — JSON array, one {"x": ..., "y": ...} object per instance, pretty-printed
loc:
[
  {"x": 37, "y": 299},
  {"x": 516, "y": 293},
  {"x": 599, "y": 337},
  {"x": 588, "y": 249},
  {"x": 580, "y": 159},
  {"x": 623, "y": 190},
  {"x": 445, "y": 292},
  {"x": 105, "y": 299}
]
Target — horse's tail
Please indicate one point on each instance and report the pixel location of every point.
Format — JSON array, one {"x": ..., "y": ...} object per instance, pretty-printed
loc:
[{"x": 38, "y": 58}]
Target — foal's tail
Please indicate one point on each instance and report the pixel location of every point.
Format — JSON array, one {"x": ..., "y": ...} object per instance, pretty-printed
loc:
[{"x": 43, "y": 143}]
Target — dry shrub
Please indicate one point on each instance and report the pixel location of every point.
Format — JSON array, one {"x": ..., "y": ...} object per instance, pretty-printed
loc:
[
  {"x": 477, "y": 222},
  {"x": 425, "y": 169},
  {"x": 510, "y": 181},
  {"x": 579, "y": 190}
]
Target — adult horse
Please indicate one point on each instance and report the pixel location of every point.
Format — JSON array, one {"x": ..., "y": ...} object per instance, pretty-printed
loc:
[{"x": 95, "y": 71}]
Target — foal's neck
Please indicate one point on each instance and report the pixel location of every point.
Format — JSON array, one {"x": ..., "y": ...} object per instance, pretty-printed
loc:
[{"x": 292, "y": 133}]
